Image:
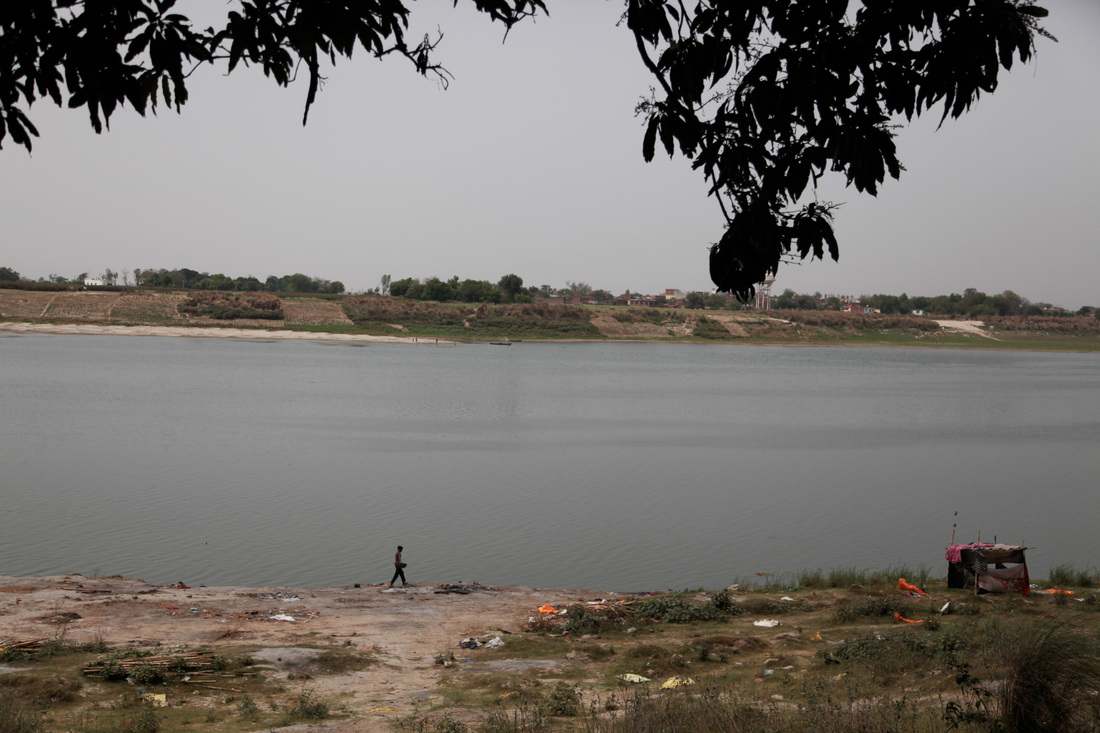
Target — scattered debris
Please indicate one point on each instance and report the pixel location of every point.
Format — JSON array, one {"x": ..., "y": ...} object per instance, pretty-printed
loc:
[
  {"x": 678, "y": 681},
  {"x": 462, "y": 589},
  {"x": 488, "y": 641},
  {"x": 910, "y": 588},
  {"x": 634, "y": 678},
  {"x": 29, "y": 646}
]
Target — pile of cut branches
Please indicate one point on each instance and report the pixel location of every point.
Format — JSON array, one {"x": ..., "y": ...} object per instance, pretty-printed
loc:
[{"x": 116, "y": 666}]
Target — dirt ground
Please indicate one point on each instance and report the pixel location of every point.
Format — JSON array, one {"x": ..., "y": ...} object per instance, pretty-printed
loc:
[{"x": 404, "y": 627}]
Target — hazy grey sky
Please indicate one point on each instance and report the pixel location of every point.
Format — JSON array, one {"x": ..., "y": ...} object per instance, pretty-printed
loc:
[{"x": 531, "y": 164}]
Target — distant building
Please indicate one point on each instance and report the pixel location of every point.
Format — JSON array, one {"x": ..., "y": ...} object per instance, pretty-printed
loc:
[{"x": 91, "y": 281}]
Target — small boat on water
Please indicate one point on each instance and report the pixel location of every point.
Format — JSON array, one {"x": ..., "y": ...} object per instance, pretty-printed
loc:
[{"x": 500, "y": 343}]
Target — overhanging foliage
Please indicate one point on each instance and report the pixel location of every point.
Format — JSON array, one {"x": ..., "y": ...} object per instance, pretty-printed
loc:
[{"x": 764, "y": 96}]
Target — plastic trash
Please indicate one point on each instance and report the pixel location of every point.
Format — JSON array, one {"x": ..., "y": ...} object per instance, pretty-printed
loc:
[
  {"x": 677, "y": 681},
  {"x": 547, "y": 608},
  {"x": 786, "y": 598},
  {"x": 634, "y": 678},
  {"x": 494, "y": 642},
  {"x": 767, "y": 623},
  {"x": 282, "y": 617}
]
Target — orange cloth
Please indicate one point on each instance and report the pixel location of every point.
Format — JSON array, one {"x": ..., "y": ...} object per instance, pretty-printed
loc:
[
  {"x": 1054, "y": 590},
  {"x": 902, "y": 585},
  {"x": 547, "y": 608},
  {"x": 899, "y": 617}
]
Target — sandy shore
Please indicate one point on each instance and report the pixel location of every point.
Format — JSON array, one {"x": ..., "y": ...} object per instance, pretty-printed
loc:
[
  {"x": 404, "y": 628},
  {"x": 203, "y": 332}
]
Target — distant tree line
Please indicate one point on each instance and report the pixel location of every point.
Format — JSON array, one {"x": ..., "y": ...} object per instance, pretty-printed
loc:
[
  {"x": 509, "y": 289},
  {"x": 972, "y": 302},
  {"x": 187, "y": 279}
]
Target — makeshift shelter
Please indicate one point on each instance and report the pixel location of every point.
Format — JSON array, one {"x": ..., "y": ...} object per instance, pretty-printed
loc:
[{"x": 987, "y": 567}]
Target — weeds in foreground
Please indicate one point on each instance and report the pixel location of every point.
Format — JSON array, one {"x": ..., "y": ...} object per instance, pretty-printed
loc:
[
  {"x": 135, "y": 717},
  {"x": 248, "y": 708},
  {"x": 871, "y": 608},
  {"x": 15, "y": 717},
  {"x": 1053, "y": 676},
  {"x": 308, "y": 707},
  {"x": 1070, "y": 576},
  {"x": 816, "y": 579}
]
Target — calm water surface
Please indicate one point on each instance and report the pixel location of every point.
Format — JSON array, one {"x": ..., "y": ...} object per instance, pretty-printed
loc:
[{"x": 614, "y": 466}]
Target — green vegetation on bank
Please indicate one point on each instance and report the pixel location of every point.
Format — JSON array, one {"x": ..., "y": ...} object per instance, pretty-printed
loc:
[
  {"x": 399, "y": 316},
  {"x": 842, "y": 658},
  {"x": 542, "y": 320}
]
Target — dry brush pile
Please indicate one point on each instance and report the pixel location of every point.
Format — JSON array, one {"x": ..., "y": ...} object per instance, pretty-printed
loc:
[{"x": 225, "y": 307}]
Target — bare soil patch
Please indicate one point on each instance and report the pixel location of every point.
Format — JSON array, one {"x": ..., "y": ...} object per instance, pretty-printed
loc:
[
  {"x": 402, "y": 629},
  {"x": 314, "y": 312}
]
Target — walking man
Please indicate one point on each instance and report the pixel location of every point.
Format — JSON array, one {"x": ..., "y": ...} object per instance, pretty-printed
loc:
[{"x": 399, "y": 567}]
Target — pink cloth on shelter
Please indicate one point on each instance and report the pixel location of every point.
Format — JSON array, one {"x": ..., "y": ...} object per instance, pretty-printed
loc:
[{"x": 954, "y": 552}]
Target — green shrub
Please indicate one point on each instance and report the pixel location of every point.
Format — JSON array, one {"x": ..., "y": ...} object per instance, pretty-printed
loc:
[
  {"x": 675, "y": 609},
  {"x": 563, "y": 701},
  {"x": 248, "y": 708},
  {"x": 582, "y": 620},
  {"x": 144, "y": 674},
  {"x": 309, "y": 707},
  {"x": 723, "y": 603}
]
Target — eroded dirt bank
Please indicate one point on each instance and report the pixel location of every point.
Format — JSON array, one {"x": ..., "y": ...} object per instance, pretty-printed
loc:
[{"x": 403, "y": 629}]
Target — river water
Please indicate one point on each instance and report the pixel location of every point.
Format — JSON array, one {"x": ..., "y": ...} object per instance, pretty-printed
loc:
[{"x": 612, "y": 466}]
